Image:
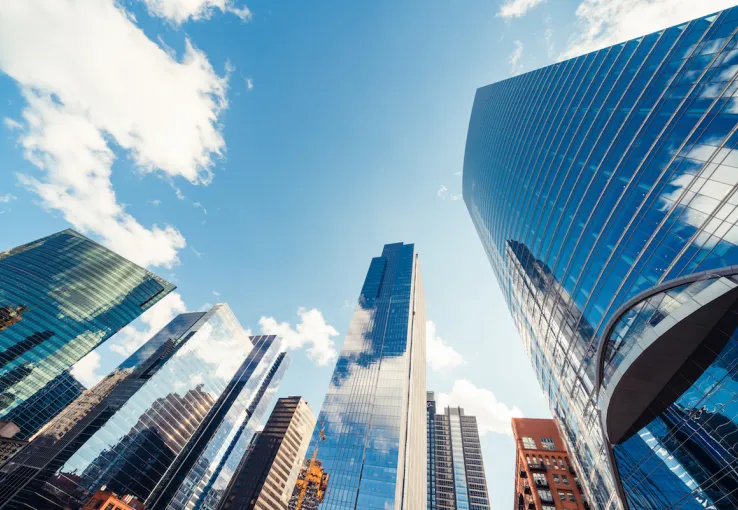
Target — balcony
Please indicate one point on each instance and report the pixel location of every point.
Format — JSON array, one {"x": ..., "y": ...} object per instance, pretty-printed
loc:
[{"x": 537, "y": 467}]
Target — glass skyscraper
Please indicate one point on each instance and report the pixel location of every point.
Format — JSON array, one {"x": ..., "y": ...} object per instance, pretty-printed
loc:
[
  {"x": 603, "y": 189},
  {"x": 456, "y": 477},
  {"x": 167, "y": 427},
  {"x": 60, "y": 297},
  {"x": 373, "y": 415}
]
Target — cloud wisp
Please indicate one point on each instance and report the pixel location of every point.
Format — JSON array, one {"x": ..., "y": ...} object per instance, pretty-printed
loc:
[
  {"x": 312, "y": 332},
  {"x": 602, "y": 23},
  {"x": 82, "y": 98},
  {"x": 516, "y": 66},
  {"x": 492, "y": 415},
  {"x": 87, "y": 370},
  {"x": 517, "y": 8},
  {"x": 180, "y": 11},
  {"x": 440, "y": 356}
]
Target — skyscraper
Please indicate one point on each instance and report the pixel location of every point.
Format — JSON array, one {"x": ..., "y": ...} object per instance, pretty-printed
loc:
[
  {"x": 455, "y": 468},
  {"x": 266, "y": 476},
  {"x": 543, "y": 473},
  {"x": 60, "y": 297},
  {"x": 177, "y": 414},
  {"x": 603, "y": 189},
  {"x": 373, "y": 414},
  {"x": 430, "y": 428}
]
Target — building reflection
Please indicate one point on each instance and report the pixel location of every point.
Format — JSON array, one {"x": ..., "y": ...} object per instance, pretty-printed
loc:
[
  {"x": 60, "y": 297},
  {"x": 185, "y": 404}
]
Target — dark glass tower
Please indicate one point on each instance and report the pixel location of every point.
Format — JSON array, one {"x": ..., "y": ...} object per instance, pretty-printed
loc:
[
  {"x": 457, "y": 470},
  {"x": 60, "y": 297},
  {"x": 430, "y": 427},
  {"x": 268, "y": 472},
  {"x": 373, "y": 414},
  {"x": 168, "y": 427},
  {"x": 603, "y": 189}
]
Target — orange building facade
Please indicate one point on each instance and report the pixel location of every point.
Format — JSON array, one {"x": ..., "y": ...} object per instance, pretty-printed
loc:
[
  {"x": 544, "y": 477},
  {"x": 106, "y": 500}
]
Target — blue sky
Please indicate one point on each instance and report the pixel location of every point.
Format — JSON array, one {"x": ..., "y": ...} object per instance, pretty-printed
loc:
[{"x": 260, "y": 153}]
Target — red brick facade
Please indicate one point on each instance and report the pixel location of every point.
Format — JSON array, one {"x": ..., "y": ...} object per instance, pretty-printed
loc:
[{"x": 544, "y": 478}]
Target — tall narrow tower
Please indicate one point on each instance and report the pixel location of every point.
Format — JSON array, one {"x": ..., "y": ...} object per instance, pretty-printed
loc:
[
  {"x": 374, "y": 411},
  {"x": 455, "y": 468}
]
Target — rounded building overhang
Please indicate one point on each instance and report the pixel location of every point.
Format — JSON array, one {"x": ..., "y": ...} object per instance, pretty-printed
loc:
[{"x": 642, "y": 359}]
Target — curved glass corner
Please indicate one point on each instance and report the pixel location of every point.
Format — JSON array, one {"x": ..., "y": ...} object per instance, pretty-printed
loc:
[{"x": 679, "y": 449}]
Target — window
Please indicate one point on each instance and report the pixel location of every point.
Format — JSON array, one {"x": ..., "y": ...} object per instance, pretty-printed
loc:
[
  {"x": 562, "y": 496},
  {"x": 545, "y": 495},
  {"x": 555, "y": 464},
  {"x": 571, "y": 496},
  {"x": 547, "y": 443},
  {"x": 556, "y": 479},
  {"x": 540, "y": 479},
  {"x": 548, "y": 507},
  {"x": 548, "y": 462},
  {"x": 565, "y": 479},
  {"x": 529, "y": 443}
]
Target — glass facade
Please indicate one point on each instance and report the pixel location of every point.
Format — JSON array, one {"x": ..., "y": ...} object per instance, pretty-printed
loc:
[
  {"x": 197, "y": 383},
  {"x": 268, "y": 472},
  {"x": 589, "y": 182},
  {"x": 200, "y": 477},
  {"x": 373, "y": 415},
  {"x": 60, "y": 297}
]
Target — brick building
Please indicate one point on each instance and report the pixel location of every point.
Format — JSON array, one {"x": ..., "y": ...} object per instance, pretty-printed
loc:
[{"x": 544, "y": 477}]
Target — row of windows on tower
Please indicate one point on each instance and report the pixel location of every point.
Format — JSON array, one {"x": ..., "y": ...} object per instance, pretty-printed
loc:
[
  {"x": 540, "y": 479},
  {"x": 546, "y": 443},
  {"x": 558, "y": 463}
]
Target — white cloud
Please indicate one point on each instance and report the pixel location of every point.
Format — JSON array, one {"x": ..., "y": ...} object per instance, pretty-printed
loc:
[
  {"x": 439, "y": 355},
  {"x": 86, "y": 370},
  {"x": 492, "y": 415},
  {"x": 155, "y": 203},
  {"x": 4, "y": 199},
  {"x": 198, "y": 205},
  {"x": 216, "y": 293},
  {"x": 249, "y": 83},
  {"x": 549, "y": 40},
  {"x": 179, "y": 11},
  {"x": 603, "y": 23},
  {"x": 514, "y": 59},
  {"x": 517, "y": 8},
  {"x": 123, "y": 89},
  {"x": 130, "y": 338},
  {"x": 11, "y": 124},
  {"x": 443, "y": 193},
  {"x": 312, "y": 330}
]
